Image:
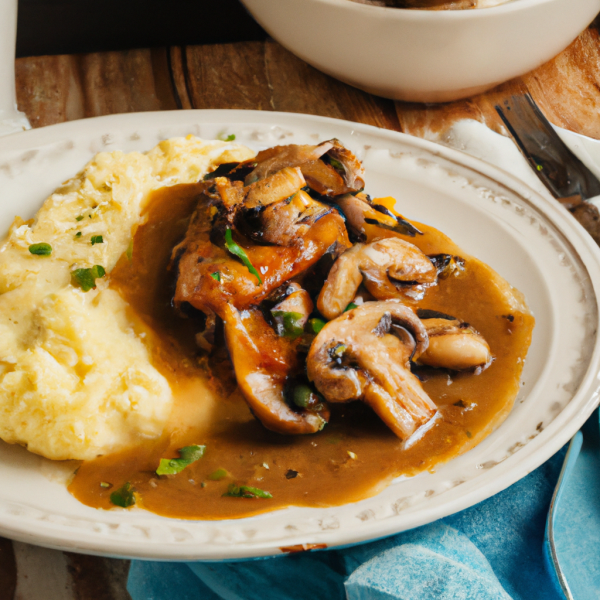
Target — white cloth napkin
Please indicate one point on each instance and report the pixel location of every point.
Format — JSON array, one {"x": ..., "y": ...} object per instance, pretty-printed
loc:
[{"x": 476, "y": 139}]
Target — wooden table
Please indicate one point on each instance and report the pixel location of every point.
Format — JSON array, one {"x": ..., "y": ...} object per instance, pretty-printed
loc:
[{"x": 247, "y": 75}]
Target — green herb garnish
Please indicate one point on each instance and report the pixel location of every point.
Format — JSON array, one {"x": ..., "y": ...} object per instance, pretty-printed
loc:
[
  {"x": 245, "y": 491},
  {"x": 129, "y": 251},
  {"x": 97, "y": 239},
  {"x": 288, "y": 323},
  {"x": 78, "y": 235},
  {"x": 350, "y": 306},
  {"x": 316, "y": 325},
  {"x": 86, "y": 278},
  {"x": 42, "y": 249},
  {"x": 105, "y": 484},
  {"x": 79, "y": 218},
  {"x": 338, "y": 350},
  {"x": 302, "y": 396},
  {"x": 241, "y": 254},
  {"x": 216, "y": 276},
  {"x": 227, "y": 138},
  {"x": 123, "y": 497},
  {"x": 218, "y": 475},
  {"x": 336, "y": 164},
  {"x": 188, "y": 454}
]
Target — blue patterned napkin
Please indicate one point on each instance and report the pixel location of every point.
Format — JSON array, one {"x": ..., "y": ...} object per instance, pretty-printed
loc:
[{"x": 492, "y": 551}]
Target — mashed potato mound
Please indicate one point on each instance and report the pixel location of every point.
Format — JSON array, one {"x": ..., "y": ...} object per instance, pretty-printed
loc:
[{"x": 75, "y": 379}]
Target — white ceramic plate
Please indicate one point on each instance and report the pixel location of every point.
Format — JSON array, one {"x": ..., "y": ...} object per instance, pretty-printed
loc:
[{"x": 535, "y": 244}]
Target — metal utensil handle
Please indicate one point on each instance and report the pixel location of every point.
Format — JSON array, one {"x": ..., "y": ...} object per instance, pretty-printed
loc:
[{"x": 11, "y": 120}]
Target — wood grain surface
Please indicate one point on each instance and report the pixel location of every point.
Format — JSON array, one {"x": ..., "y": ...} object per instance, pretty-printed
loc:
[{"x": 247, "y": 75}]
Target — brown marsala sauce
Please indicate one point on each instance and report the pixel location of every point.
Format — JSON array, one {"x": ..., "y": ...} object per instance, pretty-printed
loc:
[{"x": 353, "y": 457}]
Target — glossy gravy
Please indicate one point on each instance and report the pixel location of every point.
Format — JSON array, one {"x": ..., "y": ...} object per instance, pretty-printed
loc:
[{"x": 353, "y": 457}]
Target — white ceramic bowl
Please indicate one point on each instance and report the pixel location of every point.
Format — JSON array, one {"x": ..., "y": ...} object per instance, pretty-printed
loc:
[{"x": 422, "y": 55}]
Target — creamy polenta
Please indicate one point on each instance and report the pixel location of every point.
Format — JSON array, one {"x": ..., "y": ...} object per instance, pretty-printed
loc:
[{"x": 76, "y": 379}]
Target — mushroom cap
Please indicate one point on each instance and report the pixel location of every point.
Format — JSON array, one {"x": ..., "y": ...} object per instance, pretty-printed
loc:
[
  {"x": 454, "y": 345},
  {"x": 387, "y": 267},
  {"x": 262, "y": 363},
  {"x": 355, "y": 357}
]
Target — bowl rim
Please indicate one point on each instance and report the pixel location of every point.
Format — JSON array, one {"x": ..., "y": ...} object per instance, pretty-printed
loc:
[{"x": 422, "y": 14}]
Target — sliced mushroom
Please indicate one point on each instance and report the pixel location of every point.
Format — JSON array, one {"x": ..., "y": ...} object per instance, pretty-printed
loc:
[
  {"x": 453, "y": 344},
  {"x": 297, "y": 303},
  {"x": 282, "y": 223},
  {"x": 263, "y": 362},
  {"x": 274, "y": 159},
  {"x": 360, "y": 211},
  {"x": 389, "y": 268},
  {"x": 353, "y": 171},
  {"x": 355, "y": 357}
]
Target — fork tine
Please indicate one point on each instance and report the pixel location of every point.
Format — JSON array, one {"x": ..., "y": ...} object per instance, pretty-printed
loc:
[{"x": 556, "y": 166}]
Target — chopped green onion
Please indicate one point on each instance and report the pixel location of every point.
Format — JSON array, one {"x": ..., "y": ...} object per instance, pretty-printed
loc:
[
  {"x": 188, "y": 454},
  {"x": 86, "y": 278},
  {"x": 316, "y": 325},
  {"x": 337, "y": 352},
  {"x": 41, "y": 249},
  {"x": 78, "y": 234},
  {"x": 350, "y": 306},
  {"x": 79, "y": 218},
  {"x": 97, "y": 239},
  {"x": 245, "y": 491},
  {"x": 216, "y": 276},
  {"x": 123, "y": 497},
  {"x": 218, "y": 475},
  {"x": 241, "y": 254},
  {"x": 288, "y": 323},
  {"x": 302, "y": 396},
  {"x": 336, "y": 164},
  {"x": 227, "y": 138},
  {"x": 129, "y": 251}
]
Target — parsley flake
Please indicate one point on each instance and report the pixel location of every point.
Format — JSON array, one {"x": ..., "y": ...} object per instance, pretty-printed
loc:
[
  {"x": 350, "y": 306},
  {"x": 79, "y": 218},
  {"x": 216, "y": 276},
  {"x": 218, "y": 475},
  {"x": 245, "y": 491},
  {"x": 288, "y": 323},
  {"x": 227, "y": 138},
  {"x": 129, "y": 251},
  {"x": 123, "y": 497},
  {"x": 240, "y": 253},
  {"x": 188, "y": 454},
  {"x": 78, "y": 234},
  {"x": 315, "y": 324},
  {"x": 97, "y": 239},
  {"x": 86, "y": 278},
  {"x": 42, "y": 249}
]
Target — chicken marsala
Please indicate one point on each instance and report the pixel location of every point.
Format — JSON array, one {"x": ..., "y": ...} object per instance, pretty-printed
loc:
[{"x": 364, "y": 345}]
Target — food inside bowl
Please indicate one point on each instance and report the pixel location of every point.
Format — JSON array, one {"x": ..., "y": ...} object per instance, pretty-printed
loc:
[
  {"x": 218, "y": 334},
  {"x": 434, "y": 4}
]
